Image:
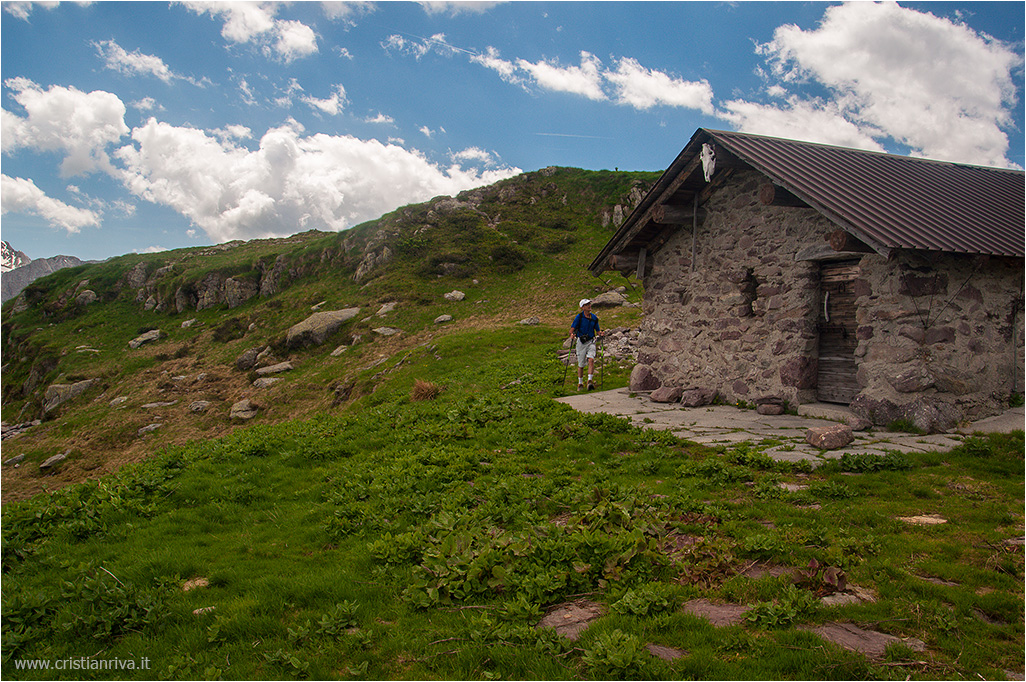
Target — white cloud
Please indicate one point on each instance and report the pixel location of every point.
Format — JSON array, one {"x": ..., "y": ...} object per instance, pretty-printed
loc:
[
  {"x": 118, "y": 59},
  {"x": 644, "y": 88},
  {"x": 20, "y": 195},
  {"x": 295, "y": 40},
  {"x": 291, "y": 182},
  {"x": 64, "y": 119},
  {"x": 347, "y": 11},
  {"x": 22, "y": 10},
  {"x": 454, "y": 7},
  {"x": 146, "y": 104},
  {"x": 474, "y": 155},
  {"x": 427, "y": 132},
  {"x": 255, "y": 22},
  {"x": 809, "y": 120},
  {"x": 491, "y": 59},
  {"x": 937, "y": 86},
  {"x": 380, "y": 118},
  {"x": 583, "y": 80},
  {"x": 437, "y": 44},
  {"x": 332, "y": 105}
]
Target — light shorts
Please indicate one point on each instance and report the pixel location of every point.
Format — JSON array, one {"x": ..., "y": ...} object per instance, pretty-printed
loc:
[{"x": 585, "y": 350}]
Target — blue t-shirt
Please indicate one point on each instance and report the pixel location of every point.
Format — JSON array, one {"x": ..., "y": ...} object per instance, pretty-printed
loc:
[{"x": 585, "y": 327}]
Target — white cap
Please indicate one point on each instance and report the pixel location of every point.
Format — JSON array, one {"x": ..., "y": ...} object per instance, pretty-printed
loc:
[{"x": 584, "y": 302}]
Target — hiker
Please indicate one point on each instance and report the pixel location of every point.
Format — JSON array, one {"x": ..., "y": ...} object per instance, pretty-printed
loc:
[{"x": 585, "y": 329}]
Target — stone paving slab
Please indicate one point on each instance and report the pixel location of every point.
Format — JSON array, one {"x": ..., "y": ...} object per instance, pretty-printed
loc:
[{"x": 727, "y": 425}]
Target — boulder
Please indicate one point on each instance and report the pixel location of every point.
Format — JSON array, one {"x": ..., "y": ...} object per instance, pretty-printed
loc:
[
  {"x": 530, "y": 321},
  {"x": 610, "y": 299},
  {"x": 386, "y": 308},
  {"x": 666, "y": 394},
  {"x": 316, "y": 329},
  {"x": 770, "y": 405},
  {"x": 387, "y": 331},
  {"x": 455, "y": 295},
  {"x": 58, "y": 394},
  {"x": 50, "y": 463},
  {"x": 248, "y": 359},
  {"x": 642, "y": 379},
  {"x": 86, "y": 297},
  {"x": 244, "y": 409},
  {"x": 442, "y": 319},
  {"x": 149, "y": 429},
  {"x": 829, "y": 437},
  {"x": 199, "y": 406},
  {"x": 697, "y": 397},
  {"x": 266, "y": 382},
  {"x": 276, "y": 369},
  {"x": 152, "y": 335}
]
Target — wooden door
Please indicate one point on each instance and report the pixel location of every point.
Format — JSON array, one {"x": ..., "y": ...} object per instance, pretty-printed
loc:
[{"x": 837, "y": 340}]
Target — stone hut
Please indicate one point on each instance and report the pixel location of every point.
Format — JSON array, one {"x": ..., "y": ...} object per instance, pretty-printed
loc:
[{"x": 781, "y": 269}]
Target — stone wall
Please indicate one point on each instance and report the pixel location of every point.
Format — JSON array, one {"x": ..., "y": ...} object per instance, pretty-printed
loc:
[{"x": 733, "y": 311}]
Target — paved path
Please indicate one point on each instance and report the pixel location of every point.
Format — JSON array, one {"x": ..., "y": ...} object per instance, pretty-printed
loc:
[{"x": 722, "y": 424}]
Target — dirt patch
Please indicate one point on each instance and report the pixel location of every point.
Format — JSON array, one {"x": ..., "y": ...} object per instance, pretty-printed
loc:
[
  {"x": 759, "y": 570},
  {"x": 924, "y": 520},
  {"x": 720, "y": 615},
  {"x": 570, "y": 619},
  {"x": 868, "y": 642},
  {"x": 664, "y": 652}
]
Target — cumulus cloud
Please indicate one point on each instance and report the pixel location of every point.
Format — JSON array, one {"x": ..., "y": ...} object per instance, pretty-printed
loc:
[
  {"x": 133, "y": 63},
  {"x": 22, "y": 10},
  {"x": 644, "y": 88},
  {"x": 927, "y": 82},
  {"x": 64, "y": 119},
  {"x": 583, "y": 80},
  {"x": 380, "y": 118},
  {"x": 290, "y": 182},
  {"x": 331, "y": 105},
  {"x": 474, "y": 155},
  {"x": 21, "y": 195},
  {"x": 347, "y": 12},
  {"x": 452, "y": 8},
  {"x": 255, "y": 22}
]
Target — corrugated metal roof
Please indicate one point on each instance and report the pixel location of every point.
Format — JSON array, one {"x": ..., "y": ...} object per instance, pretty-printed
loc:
[
  {"x": 887, "y": 201},
  {"x": 898, "y": 202}
]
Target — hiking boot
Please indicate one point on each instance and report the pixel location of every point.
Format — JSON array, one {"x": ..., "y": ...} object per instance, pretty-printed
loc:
[
  {"x": 580, "y": 387},
  {"x": 591, "y": 385}
]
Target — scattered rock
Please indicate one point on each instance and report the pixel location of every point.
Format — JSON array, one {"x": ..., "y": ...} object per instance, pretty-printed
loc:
[
  {"x": 276, "y": 369},
  {"x": 58, "y": 394},
  {"x": 571, "y": 618},
  {"x": 244, "y": 409},
  {"x": 50, "y": 463},
  {"x": 119, "y": 401},
  {"x": 530, "y": 321},
  {"x": 697, "y": 397},
  {"x": 194, "y": 583},
  {"x": 386, "y": 308},
  {"x": 317, "y": 306},
  {"x": 205, "y": 609},
  {"x": 316, "y": 329},
  {"x": 925, "y": 520},
  {"x": 664, "y": 652},
  {"x": 770, "y": 405},
  {"x": 248, "y": 359},
  {"x": 15, "y": 430},
  {"x": 199, "y": 406},
  {"x": 266, "y": 382},
  {"x": 868, "y": 642},
  {"x": 610, "y": 299},
  {"x": 15, "y": 461},
  {"x": 642, "y": 379},
  {"x": 829, "y": 437},
  {"x": 153, "y": 406},
  {"x": 387, "y": 331},
  {"x": 666, "y": 394},
  {"x": 188, "y": 323},
  {"x": 86, "y": 297},
  {"x": 455, "y": 295},
  {"x": 441, "y": 319},
  {"x": 149, "y": 429},
  {"x": 152, "y": 335},
  {"x": 339, "y": 351},
  {"x": 720, "y": 615}
]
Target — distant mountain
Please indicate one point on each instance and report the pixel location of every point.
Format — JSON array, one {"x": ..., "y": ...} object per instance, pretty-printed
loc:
[
  {"x": 19, "y": 270},
  {"x": 10, "y": 258}
]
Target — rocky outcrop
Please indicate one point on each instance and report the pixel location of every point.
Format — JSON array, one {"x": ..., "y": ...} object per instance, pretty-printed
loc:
[
  {"x": 315, "y": 330},
  {"x": 244, "y": 410},
  {"x": 58, "y": 394},
  {"x": 152, "y": 335},
  {"x": 13, "y": 281}
]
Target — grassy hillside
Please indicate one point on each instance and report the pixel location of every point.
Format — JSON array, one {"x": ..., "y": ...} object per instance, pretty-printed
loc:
[
  {"x": 411, "y": 507},
  {"x": 517, "y": 249}
]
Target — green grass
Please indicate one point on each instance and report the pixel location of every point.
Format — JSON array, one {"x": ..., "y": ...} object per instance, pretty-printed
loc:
[{"x": 399, "y": 539}]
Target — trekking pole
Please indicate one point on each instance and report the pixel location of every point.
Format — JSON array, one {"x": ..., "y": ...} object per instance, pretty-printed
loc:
[
  {"x": 602, "y": 356},
  {"x": 566, "y": 367}
]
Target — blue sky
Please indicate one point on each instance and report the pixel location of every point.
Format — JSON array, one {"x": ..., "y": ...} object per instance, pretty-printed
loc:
[{"x": 141, "y": 126}]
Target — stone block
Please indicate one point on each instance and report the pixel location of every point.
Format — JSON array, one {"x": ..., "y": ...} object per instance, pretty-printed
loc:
[
  {"x": 643, "y": 379},
  {"x": 829, "y": 437},
  {"x": 666, "y": 394}
]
